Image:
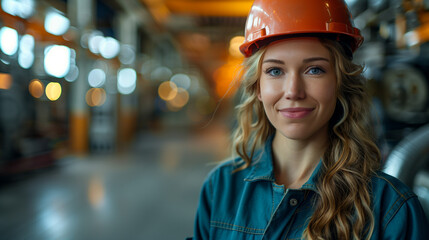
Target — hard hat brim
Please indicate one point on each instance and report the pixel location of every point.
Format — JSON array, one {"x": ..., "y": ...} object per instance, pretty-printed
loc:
[{"x": 353, "y": 40}]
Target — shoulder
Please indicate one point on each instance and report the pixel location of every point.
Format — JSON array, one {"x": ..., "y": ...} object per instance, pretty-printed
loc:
[
  {"x": 228, "y": 179},
  {"x": 227, "y": 172},
  {"x": 397, "y": 210},
  {"x": 393, "y": 201},
  {"x": 383, "y": 184},
  {"x": 389, "y": 194}
]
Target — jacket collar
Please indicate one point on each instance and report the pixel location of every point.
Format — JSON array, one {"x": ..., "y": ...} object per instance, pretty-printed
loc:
[
  {"x": 262, "y": 168},
  {"x": 311, "y": 184},
  {"x": 262, "y": 165}
]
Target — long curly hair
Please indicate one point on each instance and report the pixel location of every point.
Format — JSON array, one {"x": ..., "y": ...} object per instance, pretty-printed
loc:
[{"x": 343, "y": 208}]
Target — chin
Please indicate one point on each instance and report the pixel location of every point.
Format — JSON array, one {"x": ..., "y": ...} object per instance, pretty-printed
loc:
[{"x": 295, "y": 135}]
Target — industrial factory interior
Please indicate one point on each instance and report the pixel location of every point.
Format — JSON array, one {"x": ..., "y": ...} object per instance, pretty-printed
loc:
[{"x": 113, "y": 112}]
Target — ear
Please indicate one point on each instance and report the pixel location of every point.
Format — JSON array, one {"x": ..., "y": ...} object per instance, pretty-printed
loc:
[{"x": 259, "y": 93}]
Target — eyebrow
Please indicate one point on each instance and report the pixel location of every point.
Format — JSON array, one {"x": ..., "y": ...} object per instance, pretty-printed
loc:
[
  {"x": 274, "y": 61},
  {"x": 307, "y": 60}
]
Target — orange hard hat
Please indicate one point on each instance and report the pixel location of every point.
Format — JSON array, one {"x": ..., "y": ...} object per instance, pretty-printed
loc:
[{"x": 270, "y": 20}]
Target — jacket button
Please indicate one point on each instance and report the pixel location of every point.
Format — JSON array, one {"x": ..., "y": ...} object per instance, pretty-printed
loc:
[{"x": 293, "y": 202}]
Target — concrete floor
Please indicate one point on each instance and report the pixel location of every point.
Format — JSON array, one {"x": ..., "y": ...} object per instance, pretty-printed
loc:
[{"x": 149, "y": 192}]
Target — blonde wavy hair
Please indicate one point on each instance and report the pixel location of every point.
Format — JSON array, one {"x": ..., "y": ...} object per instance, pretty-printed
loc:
[{"x": 343, "y": 208}]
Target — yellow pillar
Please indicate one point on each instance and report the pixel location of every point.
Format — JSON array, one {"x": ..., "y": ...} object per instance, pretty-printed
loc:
[{"x": 79, "y": 133}]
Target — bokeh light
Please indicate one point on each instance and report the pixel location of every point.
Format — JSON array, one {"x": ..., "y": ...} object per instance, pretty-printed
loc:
[
  {"x": 36, "y": 88},
  {"x": 96, "y": 192},
  {"x": 73, "y": 74},
  {"x": 181, "y": 80},
  {"x": 95, "y": 97},
  {"x": 109, "y": 47},
  {"x": 127, "y": 54},
  {"x": 27, "y": 43},
  {"x": 227, "y": 78},
  {"x": 56, "y": 23},
  {"x": 94, "y": 41},
  {"x": 127, "y": 80},
  {"x": 5, "y": 81},
  {"x": 57, "y": 60},
  {"x": 26, "y": 59},
  {"x": 181, "y": 98},
  {"x": 8, "y": 40},
  {"x": 167, "y": 90},
  {"x": 53, "y": 91},
  {"x": 23, "y": 9},
  {"x": 161, "y": 74},
  {"x": 26, "y": 51},
  {"x": 234, "y": 45},
  {"x": 96, "y": 78}
]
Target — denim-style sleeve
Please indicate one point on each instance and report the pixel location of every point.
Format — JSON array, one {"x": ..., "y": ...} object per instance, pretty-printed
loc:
[
  {"x": 409, "y": 222},
  {"x": 202, "y": 220}
]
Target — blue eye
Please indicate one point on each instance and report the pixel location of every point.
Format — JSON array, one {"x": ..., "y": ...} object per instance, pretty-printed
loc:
[
  {"x": 274, "y": 72},
  {"x": 315, "y": 71}
]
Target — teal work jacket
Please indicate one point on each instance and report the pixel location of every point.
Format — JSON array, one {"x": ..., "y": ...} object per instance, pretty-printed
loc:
[{"x": 248, "y": 204}]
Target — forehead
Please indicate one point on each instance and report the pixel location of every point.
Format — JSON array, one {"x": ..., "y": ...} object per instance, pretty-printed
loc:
[{"x": 296, "y": 48}]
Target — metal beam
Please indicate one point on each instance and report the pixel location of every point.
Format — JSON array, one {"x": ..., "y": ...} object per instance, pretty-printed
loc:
[{"x": 210, "y": 8}]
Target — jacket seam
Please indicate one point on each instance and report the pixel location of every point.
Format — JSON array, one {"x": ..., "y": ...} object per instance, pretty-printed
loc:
[
  {"x": 388, "y": 212},
  {"x": 275, "y": 210},
  {"x": 396, "y": 205},
  {"x": 272, "y": 200},
  {"x": 290, "y": 225},
  {"x": 393, "y": 186},
  {"x": 238, "y": 228},
  {"x": 258, "y": 178},
  {"x": 395, "y": 212}
]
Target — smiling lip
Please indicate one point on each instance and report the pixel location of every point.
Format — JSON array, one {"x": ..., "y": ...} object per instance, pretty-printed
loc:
[{"x": 295, "y": 113}]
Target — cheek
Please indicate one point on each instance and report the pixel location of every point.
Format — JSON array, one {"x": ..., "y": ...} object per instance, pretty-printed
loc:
[
  {"x": 327, "y": 96},
  {"x": 269, "y": 92},
  {"x": 326, "y": 90},
  {"x": 329, "y": 93}
]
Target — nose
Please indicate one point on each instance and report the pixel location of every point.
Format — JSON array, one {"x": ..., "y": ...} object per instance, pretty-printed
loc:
[{"x": 295, "y": 88}]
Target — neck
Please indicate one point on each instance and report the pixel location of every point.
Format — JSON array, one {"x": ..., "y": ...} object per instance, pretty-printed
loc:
[{"x": 295, "y": 160}]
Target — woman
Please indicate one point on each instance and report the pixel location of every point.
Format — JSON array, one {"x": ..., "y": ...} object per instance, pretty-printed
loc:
[{"x": 307, "y": 165}]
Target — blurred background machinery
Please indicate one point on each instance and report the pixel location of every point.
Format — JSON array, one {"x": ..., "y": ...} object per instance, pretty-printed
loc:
[
  {"x": 82, "y": 77},
  {"x": 397, "y": 65}
]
